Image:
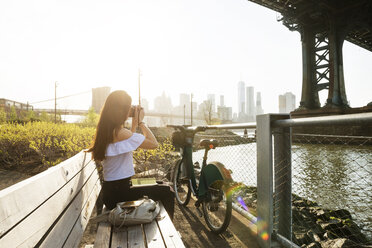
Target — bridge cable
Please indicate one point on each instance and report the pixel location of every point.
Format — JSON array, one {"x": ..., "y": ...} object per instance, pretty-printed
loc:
[{"x": 81, "y": 93}]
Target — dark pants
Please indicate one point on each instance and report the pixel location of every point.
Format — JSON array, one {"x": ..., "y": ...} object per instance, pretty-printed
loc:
[{"x": 121, "y": 190}]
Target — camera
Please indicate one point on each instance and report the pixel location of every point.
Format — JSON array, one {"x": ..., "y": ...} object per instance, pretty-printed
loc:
[{"x": 132, "y": 110}]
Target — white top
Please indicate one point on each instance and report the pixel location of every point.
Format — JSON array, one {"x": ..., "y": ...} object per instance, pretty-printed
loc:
[{"x": 118, "y": 163}]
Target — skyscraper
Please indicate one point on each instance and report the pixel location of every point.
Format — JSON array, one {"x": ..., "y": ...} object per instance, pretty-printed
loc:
[
  {"x": 184, "y": 99},
  {"x": 259, "y": 110},
  {"x": 241, "y": 98},
  {"x": 212, "y": 99},
  {"x": 163, "y": 104},
  {"x": 287, "y": 102},
  {"x": 250, "y": 107},
  {"x": 222, "y": 100},
  {"x": 99, "y": 96}
]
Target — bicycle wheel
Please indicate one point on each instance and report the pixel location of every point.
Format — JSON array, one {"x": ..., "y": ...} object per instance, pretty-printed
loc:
[
  {"x": 217, "y": 209},
  {"x": 181, "y": 183}
]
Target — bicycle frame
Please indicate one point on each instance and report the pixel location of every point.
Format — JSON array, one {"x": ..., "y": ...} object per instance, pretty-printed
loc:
[
  {"x": 213, "y": 185},
  {"x": 209, "y": 172},
  {"x": 187, "y": 159}
]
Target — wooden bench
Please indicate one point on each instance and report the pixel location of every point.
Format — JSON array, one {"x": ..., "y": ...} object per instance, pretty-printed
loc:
[
  {"x": 53, "y": 208},
  {"x": 159, "y": 233}
]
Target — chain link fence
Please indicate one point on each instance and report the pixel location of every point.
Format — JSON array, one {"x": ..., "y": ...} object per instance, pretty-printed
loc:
[
  {"x": 237, "y": 151},
  {"x": 314, "y": 190},
  {"x": 331, "y": 191}
]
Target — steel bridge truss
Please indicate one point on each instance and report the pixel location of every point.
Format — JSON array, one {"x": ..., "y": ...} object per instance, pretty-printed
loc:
[{"x": 324, "y": 25}]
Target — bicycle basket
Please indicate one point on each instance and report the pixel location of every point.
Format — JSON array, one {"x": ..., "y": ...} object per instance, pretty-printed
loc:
[{"x": 178, "y": 139}]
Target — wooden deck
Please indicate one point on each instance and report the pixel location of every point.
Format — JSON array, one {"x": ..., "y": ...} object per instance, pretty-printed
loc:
[{"x": 159, "y": 233}]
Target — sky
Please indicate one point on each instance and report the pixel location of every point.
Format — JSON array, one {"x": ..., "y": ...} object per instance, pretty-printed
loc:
[{"x": 181, "y": 46}]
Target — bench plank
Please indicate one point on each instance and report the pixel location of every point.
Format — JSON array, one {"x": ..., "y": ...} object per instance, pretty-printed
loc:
[
  {"x": 153, "y": 235},
  {"x": 135, "y": 237},
  {"x": 32, "y": 229},
  {"x": 168, "y": 231},
  {"x": 22, "y": 198},
  {"x": 103, "y": 235},
  {"x": 81, "y": 223},
  {"x": 119, "y": 238},
  {"x": 76, "y": 216}
]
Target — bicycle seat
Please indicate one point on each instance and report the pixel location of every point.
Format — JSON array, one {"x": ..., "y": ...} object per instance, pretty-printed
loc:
[{"x": 208, "y": 143}]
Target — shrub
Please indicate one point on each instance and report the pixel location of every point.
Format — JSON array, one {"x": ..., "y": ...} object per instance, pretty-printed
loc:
[
  {"x": 35, "y": 143},
  {"x": 156, "y": 163},
  {"x": 2, "y": 116}
]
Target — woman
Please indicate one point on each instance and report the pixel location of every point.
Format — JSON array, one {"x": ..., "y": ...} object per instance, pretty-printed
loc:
[{"x": 113, "y": 146}]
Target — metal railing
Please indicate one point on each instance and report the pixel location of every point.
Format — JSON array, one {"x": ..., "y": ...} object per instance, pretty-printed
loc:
[
  {"x": 322, "y": 191},
  {"x": 300, "y": 189}
]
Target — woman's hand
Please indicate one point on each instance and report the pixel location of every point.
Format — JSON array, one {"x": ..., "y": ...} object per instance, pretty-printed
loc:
[
  {"x": 141, "y": 114},
  {"x": 134, "y": 120}
]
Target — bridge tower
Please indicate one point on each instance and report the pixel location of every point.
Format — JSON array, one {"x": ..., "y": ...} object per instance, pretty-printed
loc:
[{"x": 324, "y": 25}]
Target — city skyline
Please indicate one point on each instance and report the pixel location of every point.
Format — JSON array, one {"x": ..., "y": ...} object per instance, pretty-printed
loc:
[{"x": 180, "y": 46}]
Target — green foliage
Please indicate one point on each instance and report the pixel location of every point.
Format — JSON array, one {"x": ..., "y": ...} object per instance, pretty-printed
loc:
[
  {"x": 41, "y": 143},
  {"x": 13, "y": 114},
  {"x": 155, "y": 163},
  {"x": 30, "y": 115},
  {"x": 2, "y": 116},
  {"x": 90, "y": 119},
  {"x": 159, "y": 155},
  {"x": 45, "y": 117}
]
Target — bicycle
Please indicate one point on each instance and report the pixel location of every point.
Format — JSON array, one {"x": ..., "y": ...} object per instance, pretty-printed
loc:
[{"x": 209, "y": 184}]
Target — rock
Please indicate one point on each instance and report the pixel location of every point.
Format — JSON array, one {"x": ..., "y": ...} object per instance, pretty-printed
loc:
[
  {"x": 296, "y": 215},
  {"x": 323, "y": 214},
  {"x": 351, "y": 231},
  {"x": 313, "y": 236},
  {"x": 331, "y": 225},
  {"x": 330, "y": 235},
  {"x": 299, "y": 203},
  {"x": 314, "y": 245},
  {"x": 339, "y": 243},
  {"x": 311, "y": 203},
  {"x": 303, "y": 238},
  {"x": 341, "y": 213}
]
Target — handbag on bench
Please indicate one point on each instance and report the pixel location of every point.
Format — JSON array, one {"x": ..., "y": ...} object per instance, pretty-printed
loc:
[{"x": 130, "y": 213}]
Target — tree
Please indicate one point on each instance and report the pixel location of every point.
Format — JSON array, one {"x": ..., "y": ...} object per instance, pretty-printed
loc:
[
  {"x": 44, "y": 116},
  {"x": 208, "y": 114},
  {"x": 91, "y": 118}
]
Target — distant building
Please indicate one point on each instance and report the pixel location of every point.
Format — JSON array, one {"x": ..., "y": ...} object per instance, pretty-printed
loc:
[
  {"x": 99, "y": 96},
  {"x": 287, "y": 102},
  {"x": 184, "y": 99},
  {"x": 212, "y": 99},
  {"x": 145, "y": 105},
  {"x": 250, "y": 107},
  {"x": 224, "y": 114},
  {"x": 184, "y": 104},
  {"x": 241, "y": 98},
  {"x": 222, "y": 100},
  {"x": 163, "y": 104},
  {"x": 259, "y": 110}
]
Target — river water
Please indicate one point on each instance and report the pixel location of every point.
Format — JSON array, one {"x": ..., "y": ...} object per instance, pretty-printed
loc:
[{"x": 334, "y": 176}]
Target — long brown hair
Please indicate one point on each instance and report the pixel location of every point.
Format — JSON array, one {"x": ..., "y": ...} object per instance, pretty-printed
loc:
[{"x": 113, "y": 115}]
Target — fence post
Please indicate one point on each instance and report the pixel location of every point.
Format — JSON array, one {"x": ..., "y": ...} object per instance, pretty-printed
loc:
[
  {"x": 265, "y": 178},
  {"x": 264, "y": 181},
  {"x": 283, "y": 181}
]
